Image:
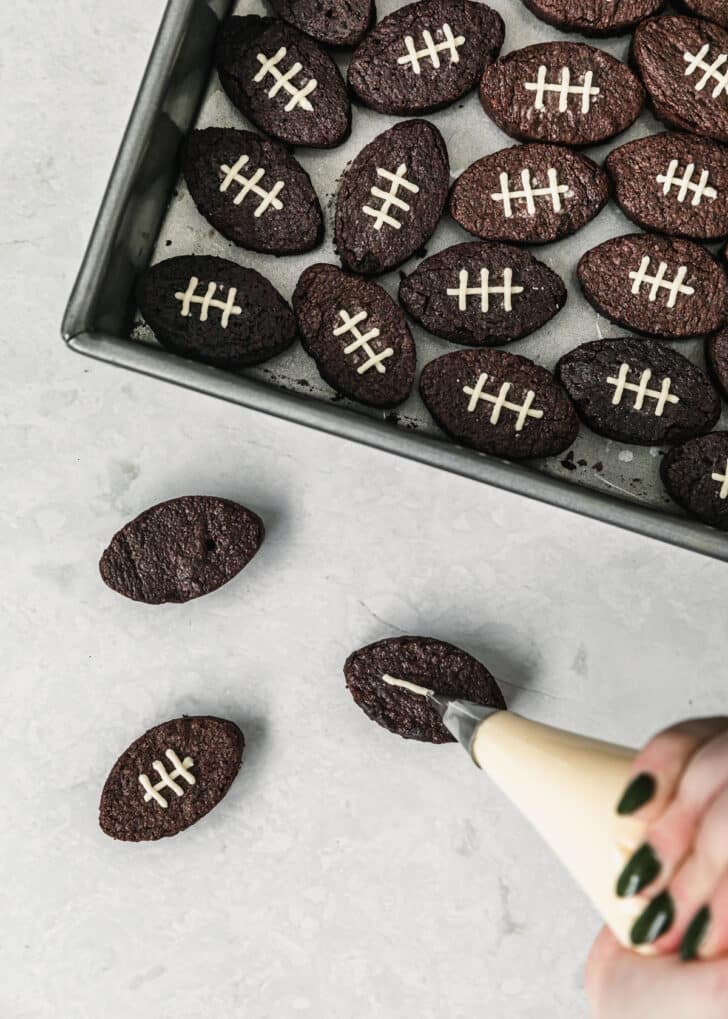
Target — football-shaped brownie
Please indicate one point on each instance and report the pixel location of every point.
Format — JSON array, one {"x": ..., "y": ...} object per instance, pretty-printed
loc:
[
  {"x": 594, "y": 17},
  {"x": 717, "y": 357},
  {"x": 529, "y": 194},
  {"x": 357, "y": 335},
  {"x": 499, "y": 403},
  {"x": 343, "y": 23},
  {"x": 562, "y": 92},
  {"x": 283, "y": 82},
  {"x": 683, "y": 63},
  {"x": 181, "y": 549},
  {"x": 425, "y": 662},
  {"x": 638, "y": 391},
  {"x": 482, "y": 294},
  {"x": 696, "y": 476},
  {"x": 252, "y": 191},
  {"x": 673, "y": 183},
  {"x": 392, "y": 197},
  {"x": 170, "y": 778},
  {"x": 714, "y": 10},
  {"x": 215, "y": 311},
  {"x": 660, "y": 286},
  {"x": 425, "y": 56}
]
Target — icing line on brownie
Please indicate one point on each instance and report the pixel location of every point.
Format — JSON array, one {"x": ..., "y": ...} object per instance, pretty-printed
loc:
[
  {"x": 228, "y": 307},
  {"x": 463, "y": 291},
  {"x": 501, "y": 402},
  {"x": 662, "y": 395},
  {"x": 251, "y": 185},
  {"x": 432, "y": 50},
  {"x": 167, "y": 778},
  {"x": 299, "y": 96}
]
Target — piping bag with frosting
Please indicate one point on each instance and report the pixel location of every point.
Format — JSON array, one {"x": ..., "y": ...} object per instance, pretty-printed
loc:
[{"x": 567, "y": 786}]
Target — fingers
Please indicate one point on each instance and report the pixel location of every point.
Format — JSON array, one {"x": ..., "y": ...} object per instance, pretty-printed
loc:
[
  {"x": 685, "y": 850},
  {"x": 709, "y": 935},
  {"x": 623, "y": 985},
  {"x": 658, "y": 767}
]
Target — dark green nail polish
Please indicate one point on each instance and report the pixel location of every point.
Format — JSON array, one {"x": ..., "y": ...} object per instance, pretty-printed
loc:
[
  {"x": 640, "y": 870},
  {"x": 693, "y": 937},
  {"x": 656, "y": 919},
  {"x": 639, "y": 791}
]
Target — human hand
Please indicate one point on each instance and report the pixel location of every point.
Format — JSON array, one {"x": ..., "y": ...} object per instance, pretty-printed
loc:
[{"x": 680, "y": 877}]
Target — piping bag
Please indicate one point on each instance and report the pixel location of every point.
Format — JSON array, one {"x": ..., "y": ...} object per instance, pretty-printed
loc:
[{"x": 565, "y": 784}]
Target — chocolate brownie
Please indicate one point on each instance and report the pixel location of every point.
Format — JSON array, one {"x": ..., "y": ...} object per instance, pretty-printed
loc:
[
  {"x": 357, "y": 335},
  {"x": 482, "y": 294},
  {"x": 562, "y": 92},
  {"x": 660, "y": 286},
  {"x": 673, "y": 183},
  {"x": 696, "y": 477},
  {"x": 252, "y": 191},
  {"x": 427, "y": 662},
  {"x": 638, "y": 391},
  {"x": 215, "y": 311},
  {"x": 683, "y": 63},
  {"x": 392, "y": 197},
  {"x": 343, "y": 23},
  {"x": 499, "y": 403},
  {"x": 181, "y": 549},
  {"x": 717, "y": 357},
  {"x": 283, "y": 82},
  {"x": 713, "y": 10},
  {"x": 170, "y": 778},
  {"x": 594, "y": 17},
  {"x": 529, "y": 194},
  {"x": 425, "y": 55}
]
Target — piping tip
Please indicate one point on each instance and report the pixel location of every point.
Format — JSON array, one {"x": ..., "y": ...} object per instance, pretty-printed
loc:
[{"x": 460, "y": 717}]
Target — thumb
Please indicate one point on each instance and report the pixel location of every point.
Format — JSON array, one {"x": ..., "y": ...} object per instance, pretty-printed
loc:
[{"x": 621, "y": 984}]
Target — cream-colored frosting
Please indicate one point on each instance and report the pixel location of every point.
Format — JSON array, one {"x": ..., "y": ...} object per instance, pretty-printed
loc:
[
  {"x": 405, "y": 684},
  {"x": 564, "y": 89},
  {"x": 432, "y": 50},
  {"x": 463, "y": 291},
  {"x": 714, "y": 73},
  {"x": 529, "y": 193},
  {"x": 675, "y": 287},
  {"x": 180, "y": 769},
  {"x": 662, "y": 396},
  {"x": 686, "y": 185},
  {"x": 298, "y": 96},
  {"x": 568, "y": 787},
  {"x": 390, "y": 198}
]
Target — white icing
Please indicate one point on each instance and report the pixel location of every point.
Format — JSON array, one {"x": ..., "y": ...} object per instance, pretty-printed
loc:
[
  {"x": 723, "y": 494},
  {"x": 167, "y": 778},
  {"x": 389, "y": 198},
  {"x": 711, "y": 72},
  {"x": 362, "y": 341},
  {"x": 228, "y": 307},
  {"x": 251, "y": 185},
  {"x": 432, "y": 50},
  {"x": 662, "y": 395},
  {"x": 685, "y": 183},
  {"x": 463, "y": 291},
  {"x": 299, "y": 96},
  {"x": 554, "y": 191},
  {"x": 564, "y": 89},
  {"x": 405, "y": 684},
  {"x": 658, "y": 282},
  {"x": 500, "y": 402}
]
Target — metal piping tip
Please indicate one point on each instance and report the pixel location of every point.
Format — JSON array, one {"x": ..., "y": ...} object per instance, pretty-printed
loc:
[{"x": 461, "y": 718}]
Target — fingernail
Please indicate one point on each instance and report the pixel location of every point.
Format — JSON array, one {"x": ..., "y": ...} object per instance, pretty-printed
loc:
[
  {"x": 654, "y": 921},
  {"x": 694, "y": 935},
  {"x": 639, "y": 791},
  {"x": 639, "y": 871}
]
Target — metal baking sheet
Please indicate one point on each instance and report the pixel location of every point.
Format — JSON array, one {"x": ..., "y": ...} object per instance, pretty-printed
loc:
[{"x": 148, "y": 215}]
